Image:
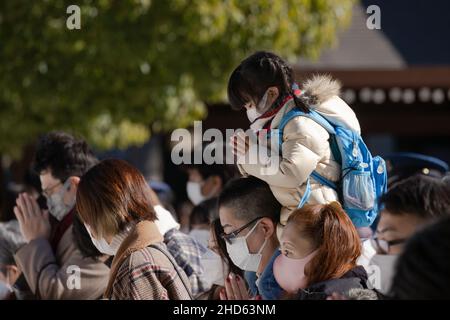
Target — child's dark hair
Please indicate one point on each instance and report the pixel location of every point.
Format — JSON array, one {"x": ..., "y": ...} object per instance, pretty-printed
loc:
[
  {"x": 250, "y": 198},
  {"x": 256, "y": 74}
]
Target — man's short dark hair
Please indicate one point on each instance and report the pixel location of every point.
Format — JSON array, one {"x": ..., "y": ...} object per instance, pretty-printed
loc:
[
  {"x": 64, "y": 155},
  {"x": 250, "y": 198},
  {"x": 422, "y": 196}
]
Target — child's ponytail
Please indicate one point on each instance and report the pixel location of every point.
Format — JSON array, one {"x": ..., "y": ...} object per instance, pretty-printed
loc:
[{"x": 287, "y": 74}]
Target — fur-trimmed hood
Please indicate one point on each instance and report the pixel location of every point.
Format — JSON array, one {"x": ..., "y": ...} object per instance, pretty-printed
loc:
[
  {"x": 321, "y": 92},
  {"x": 320, "y": 88}
]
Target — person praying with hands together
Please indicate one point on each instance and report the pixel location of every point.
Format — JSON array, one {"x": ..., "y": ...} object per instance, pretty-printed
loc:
[{"x": 48, "y": 258}]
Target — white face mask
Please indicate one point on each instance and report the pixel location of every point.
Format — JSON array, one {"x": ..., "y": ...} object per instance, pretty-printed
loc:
[
  {"x": 258, "y": 111},
  {"x": 194, "y": 192},
  {"x": 240, "y": 254},
  {"x": 214, "y": 269},
  {"x": 253, "y": 114},
  {"x": 109, "y": 249},
  {"x": 55, "y": 203}
]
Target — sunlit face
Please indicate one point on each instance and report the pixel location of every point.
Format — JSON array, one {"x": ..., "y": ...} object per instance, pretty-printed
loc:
[
  {"x": 51, "y": 185},
  {"x": 293, "y": 245},
  {"x": 230, "y": 223},
  {"x": 393, "y": 227}
]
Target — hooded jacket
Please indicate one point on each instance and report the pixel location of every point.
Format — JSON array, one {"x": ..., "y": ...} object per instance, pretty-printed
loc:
[{"x": 306, "y": 148}]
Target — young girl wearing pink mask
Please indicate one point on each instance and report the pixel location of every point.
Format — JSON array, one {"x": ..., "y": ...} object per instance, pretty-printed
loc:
[{"x": 320, "y": 247}]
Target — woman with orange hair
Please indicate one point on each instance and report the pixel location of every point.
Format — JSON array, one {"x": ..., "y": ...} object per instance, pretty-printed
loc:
[{"x": 320, "y": 247}]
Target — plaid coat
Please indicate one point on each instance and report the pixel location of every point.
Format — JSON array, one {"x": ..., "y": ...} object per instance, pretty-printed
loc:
[
  {"x": 140, "y": 272},
  {"x": 187, "y": 253}
]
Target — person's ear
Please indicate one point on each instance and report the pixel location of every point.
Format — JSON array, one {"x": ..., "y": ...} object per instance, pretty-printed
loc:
[
  {"x": 272, "y": 94},
  {"x": 74, "y": 181},
  {"x": 268, "y": 227},
  {"x": 71, "y": 193},
  {"x": 14, "y": 270},
  {"x": 13, "y": 273}
]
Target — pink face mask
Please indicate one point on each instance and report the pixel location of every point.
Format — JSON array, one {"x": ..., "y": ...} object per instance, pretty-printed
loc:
[{"x": 290, "y": 273}]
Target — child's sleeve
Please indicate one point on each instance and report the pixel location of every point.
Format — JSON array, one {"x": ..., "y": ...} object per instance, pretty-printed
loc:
[{"x": 304, "y": 144}]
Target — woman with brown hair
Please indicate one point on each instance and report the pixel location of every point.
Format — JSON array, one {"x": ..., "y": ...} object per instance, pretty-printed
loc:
[
  {"x": 115, "y": 203},
  {"x": 320, "y": 247}
]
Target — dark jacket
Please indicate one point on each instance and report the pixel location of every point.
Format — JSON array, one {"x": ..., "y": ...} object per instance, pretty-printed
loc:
[{"x": 353, "y": 279}]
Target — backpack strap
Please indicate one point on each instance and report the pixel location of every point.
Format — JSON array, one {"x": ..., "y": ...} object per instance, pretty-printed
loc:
[
  {"x": 306, "y": 195},
  {"x": 319, "y": 119},
  {"x": 175, "y": 266}
]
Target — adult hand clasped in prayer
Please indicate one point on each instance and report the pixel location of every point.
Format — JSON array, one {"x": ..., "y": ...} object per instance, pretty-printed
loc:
[{"x": 34, "y": 223}]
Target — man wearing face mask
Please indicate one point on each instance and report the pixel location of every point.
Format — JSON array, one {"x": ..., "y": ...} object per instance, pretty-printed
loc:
[
  {"x": 51, "y": 263},
  {"x": 409, "y": 205},
  {"x": 249, "y": 214}
]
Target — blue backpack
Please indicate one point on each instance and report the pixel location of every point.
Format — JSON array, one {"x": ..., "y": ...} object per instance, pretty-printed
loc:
[{"x": 363, "y": 177}]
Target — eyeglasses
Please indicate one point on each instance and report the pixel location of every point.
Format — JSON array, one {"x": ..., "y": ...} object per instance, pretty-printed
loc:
[
  {"x": 46, "y": 192},
  {"x": 383, "y": 246},
  {"x": 228, "y": 237}
]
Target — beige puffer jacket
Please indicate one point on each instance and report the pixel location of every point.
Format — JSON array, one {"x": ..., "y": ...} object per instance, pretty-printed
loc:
[{"x": 306, "y": 148}]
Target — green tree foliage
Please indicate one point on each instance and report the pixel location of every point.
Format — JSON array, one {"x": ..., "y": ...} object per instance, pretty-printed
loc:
[{"x": 139, "y": 65}]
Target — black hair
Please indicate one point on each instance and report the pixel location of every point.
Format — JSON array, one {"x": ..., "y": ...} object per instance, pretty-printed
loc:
[
  {"x": 217, "y": 229},
  {"x": 420, "y": 195},
  {"x": 423, "y": 269},
  {"x": 250, "y": 198},
  {"x": 224, "y": 171},
  {"x": 64, "y": 155},
  {"x": 251, "y": 79},
  {"x": 204, "y": 212}
]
